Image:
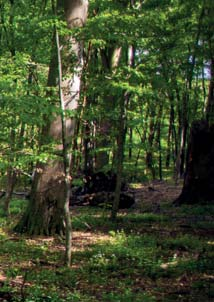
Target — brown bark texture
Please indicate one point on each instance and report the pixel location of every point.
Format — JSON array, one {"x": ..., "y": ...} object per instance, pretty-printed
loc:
[{"x": 45, "y": 213}]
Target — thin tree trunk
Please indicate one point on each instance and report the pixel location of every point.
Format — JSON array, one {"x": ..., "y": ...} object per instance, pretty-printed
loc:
[
  {"x": 158, "y": 141},
  {"x": 170, "y": 135},
  {"x": 119, "y": 155},
  {"x": 130, "y": 142},
  {"x": 11, "y": 172},
  {"x": 123, "y": 105},
  {"x": 182, "y": 154},
  {"x": 160, "y": 151},
  {"x": 11, "y": 180},
  {"x": 210, "y": 101},
  {"x": 142, "y": 137},
  {"x": 67, "y": 164},
  {"x": 149, "y": 152},
  {"x": 87, "y": 143}
]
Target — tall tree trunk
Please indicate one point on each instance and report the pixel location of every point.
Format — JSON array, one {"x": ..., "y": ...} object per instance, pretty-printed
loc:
[
  {"x": 110, "y": 60},
  {"x": 45, "y": 214},
  {"x": 120, "y": 154},
  {"x": 143, "y": 136},
  {"x": 210, "y": 101},
  {"x": 102, "y": 142},
  {"x": 170, "y": 135},
  {"x": 199, "y": 177},
  {"x": 130, "y": 142},
  {"x": 182, "y": 155},
  {"x": 121, "y": 136},
  {"x": 149, "y": 151},
  {"x": 181, "y": 159},
  {"x": 88, "y": 146},
  {"x": 158, "y": 142},
  {"x": 11, "y": 180},
  {"x": 66, "y": 162}
]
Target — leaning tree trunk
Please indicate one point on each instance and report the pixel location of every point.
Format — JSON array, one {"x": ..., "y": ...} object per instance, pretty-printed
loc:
[{"x": 45, "y": 214}]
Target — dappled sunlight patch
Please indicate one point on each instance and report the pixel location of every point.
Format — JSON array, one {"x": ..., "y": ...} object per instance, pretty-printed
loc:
[
  {"x": 82, "y": 240},
  {"x": 2, "y": 234},
  {"x": 3, "y": 277},
  {"x": 45, "y": 244},
  {"x": 137, "y": 185},
  {"x": 19, "y": 281},
  {"x": 38, "y": 241}
]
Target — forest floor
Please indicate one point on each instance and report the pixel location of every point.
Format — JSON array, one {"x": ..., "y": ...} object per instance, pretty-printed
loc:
[{"x": 155, "y": 252}]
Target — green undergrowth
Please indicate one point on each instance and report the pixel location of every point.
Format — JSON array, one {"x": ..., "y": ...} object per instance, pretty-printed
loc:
[
  {"x": 143, "y": 257},
  {"x": 83, "y": 221},
  {"x": 17, "y": 206}
]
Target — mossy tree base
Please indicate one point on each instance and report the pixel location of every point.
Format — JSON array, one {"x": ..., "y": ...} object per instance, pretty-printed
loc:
[
  {"x": 45, "y": 213},
  {"x": 47, "y": 220}
]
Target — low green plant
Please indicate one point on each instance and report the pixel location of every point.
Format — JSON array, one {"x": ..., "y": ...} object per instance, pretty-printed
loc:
[
  {"x": 183, "y": 242},
  {"x": 197, "y": 210},
  {"x": 17, "y": 206},
  {"x": 127, "y": 296}
]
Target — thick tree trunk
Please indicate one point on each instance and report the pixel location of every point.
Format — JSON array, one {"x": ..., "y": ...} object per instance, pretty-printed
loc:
[
  {"x": 46, "y": 211},
  {"x": 199, "y": 179}
]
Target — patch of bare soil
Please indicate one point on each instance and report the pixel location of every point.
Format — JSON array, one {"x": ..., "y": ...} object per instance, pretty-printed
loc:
[{"x": 152, "y": 195}]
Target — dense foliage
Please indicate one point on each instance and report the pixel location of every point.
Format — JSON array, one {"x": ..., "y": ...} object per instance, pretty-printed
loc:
[
  {"x": 139, "y": 73},
  {"x": 166, "y": 80}
]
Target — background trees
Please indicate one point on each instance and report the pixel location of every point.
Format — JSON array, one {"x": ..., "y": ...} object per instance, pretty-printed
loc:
[{"x": 145, "y": 66}]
